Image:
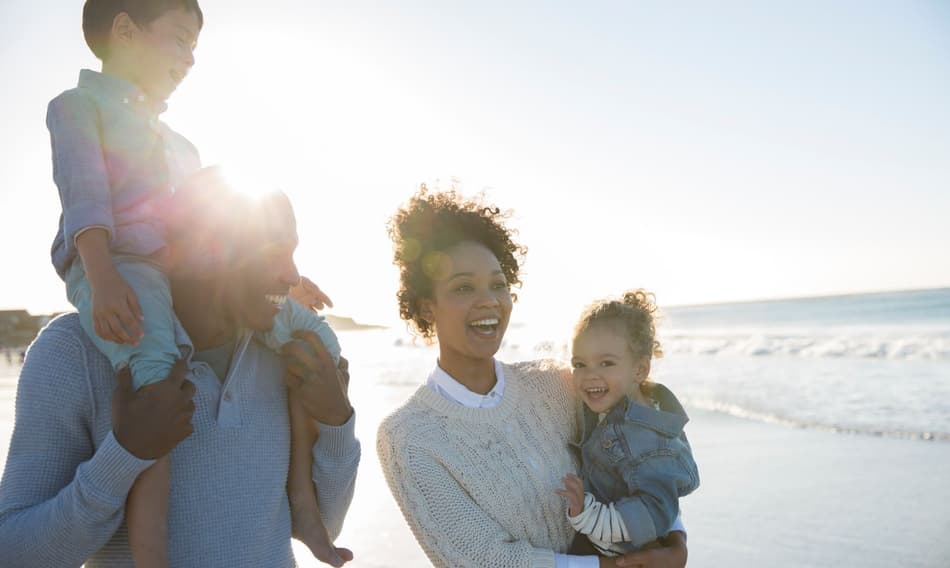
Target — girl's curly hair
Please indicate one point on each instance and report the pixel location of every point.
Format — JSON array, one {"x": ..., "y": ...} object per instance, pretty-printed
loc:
[
  {"x": 429, "y": 225},
  {"x": 634, "y": 315}
]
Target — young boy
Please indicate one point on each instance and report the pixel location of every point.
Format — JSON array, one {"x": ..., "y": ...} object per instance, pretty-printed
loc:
[{"x": 116, "y": 166}]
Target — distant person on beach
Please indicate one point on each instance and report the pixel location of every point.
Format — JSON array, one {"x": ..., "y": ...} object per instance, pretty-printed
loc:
[
  {"x": 116, "y": 165},
  {"x": 636, "y": 461},
  {"x": 81, "y": 438},
  {"x": 475, "y": 456}
]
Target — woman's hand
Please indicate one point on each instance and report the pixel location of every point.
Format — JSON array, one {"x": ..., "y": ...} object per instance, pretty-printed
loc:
[
  {"x": 573, "y": 491},
  {"x": 672, "y": 554}
]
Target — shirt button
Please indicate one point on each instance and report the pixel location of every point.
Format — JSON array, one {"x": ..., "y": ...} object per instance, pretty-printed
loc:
[
  {"x": 125, "y": 100},
  {"x": 141, "y": 98},
  {"x": 227, "y": 396}
]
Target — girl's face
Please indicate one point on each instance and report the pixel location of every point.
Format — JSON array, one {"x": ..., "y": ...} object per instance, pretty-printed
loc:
[
  {"x": 470, "y": 304},
  {"x": 605, "y": 370}
]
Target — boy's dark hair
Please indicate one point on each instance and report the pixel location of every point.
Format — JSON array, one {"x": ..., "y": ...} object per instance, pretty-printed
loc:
[{"x": 98, "y": 16}]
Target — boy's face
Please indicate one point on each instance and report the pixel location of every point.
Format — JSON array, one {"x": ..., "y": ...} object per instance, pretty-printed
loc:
[{"x": 163, "y": 52}]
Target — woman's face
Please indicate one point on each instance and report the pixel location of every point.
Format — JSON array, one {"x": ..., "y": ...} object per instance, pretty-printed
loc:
[{"x": 470, "y": 304}]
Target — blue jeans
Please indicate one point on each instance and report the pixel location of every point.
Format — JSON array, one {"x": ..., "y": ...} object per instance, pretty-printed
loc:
[{"x": 152, "y": 359}]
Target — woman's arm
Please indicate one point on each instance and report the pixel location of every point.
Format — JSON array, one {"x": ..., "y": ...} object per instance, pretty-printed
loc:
[
  {"x": 672, "y": 554},
  {"x": 449, "y": 525}
]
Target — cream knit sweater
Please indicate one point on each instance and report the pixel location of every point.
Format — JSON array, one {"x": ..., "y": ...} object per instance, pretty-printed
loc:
[{"x": 476, "y": 485}]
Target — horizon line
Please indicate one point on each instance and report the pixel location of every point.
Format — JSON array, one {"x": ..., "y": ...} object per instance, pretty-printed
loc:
[{"x": 821, "y": 296}]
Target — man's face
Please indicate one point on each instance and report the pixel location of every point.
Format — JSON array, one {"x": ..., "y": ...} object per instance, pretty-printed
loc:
[
  {"x": 163, "y": 52},
  {"x": 265, "y": 271}
]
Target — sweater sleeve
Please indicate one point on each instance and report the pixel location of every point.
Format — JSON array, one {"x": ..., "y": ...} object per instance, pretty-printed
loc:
[
  {"x": 79, "y": 167},
  {"x": 449, "y": 525},
  {"x": 336, "y": 458},
  {"x": 61, "y": 498}
]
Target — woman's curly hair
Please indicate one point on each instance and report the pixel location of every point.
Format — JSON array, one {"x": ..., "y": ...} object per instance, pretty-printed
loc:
[
  {"x": 428, "y": 226},
  {"x": 635, "y": 316}
]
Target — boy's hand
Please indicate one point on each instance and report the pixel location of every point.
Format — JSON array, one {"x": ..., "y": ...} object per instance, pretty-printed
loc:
[
  {"x": 573, "y": 491},
  {"x": 115, "y": 308},
  {"x": 309, "y": 295}
]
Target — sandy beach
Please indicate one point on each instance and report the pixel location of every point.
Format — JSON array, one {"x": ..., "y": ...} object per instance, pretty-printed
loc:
[{"x": 771, "y": 495}]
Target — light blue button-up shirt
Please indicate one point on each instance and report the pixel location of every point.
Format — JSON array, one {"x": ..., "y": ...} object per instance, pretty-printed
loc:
[{"x": 115, "y": 164}]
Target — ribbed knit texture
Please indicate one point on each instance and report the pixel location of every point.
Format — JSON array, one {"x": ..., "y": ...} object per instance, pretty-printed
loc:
[
  {"x": 64, "y": 487},
  {"x": 477, "y": 485}
]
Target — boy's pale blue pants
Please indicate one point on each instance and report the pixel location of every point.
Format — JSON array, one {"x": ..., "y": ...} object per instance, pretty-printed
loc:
[{"x": 152, "y": 359}]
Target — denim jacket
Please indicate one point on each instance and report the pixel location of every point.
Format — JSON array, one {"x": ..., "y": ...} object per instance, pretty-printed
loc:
[
  {"x": 638, "y": 458},
  {"x": 114, "y": 164}
]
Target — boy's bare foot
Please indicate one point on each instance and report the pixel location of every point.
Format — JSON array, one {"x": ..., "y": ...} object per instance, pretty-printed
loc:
[{"x": 309, "y": 530}]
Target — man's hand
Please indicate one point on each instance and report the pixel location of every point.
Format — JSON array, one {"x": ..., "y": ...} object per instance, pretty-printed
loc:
[
  {"x": 315, "y": 380},
  {"x": 151, "y": 422},
  {"x": 309, "y": 295},
  {"x": 672, "y": 554},
  {"x": 573, "y": 491}
]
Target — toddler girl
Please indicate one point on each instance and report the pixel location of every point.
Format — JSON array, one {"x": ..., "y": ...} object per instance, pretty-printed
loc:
[{"x": 636, "y": 461}]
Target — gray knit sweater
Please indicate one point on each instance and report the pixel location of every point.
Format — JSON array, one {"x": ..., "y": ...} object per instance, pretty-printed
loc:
[{"x": 64, "y": 487}]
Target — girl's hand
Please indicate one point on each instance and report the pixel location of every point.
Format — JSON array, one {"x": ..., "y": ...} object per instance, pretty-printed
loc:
[
  {"x": 573, "y": 491},
  {"x": 672, "y": 554},
  {"x": 116, "y": 313},
  {"x": 309, "y": 295}
]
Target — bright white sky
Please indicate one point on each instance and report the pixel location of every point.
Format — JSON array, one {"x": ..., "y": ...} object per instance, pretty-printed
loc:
[{"x": 708, "y": 151}]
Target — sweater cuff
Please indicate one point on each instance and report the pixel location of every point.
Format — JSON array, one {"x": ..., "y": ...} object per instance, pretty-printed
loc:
[
  {"x": 337, "y": 441},
  {"x": 112, "y": 469},
  {"x": 542, "y": 558}
]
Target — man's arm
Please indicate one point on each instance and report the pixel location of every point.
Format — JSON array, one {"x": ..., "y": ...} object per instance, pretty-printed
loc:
[
  {"x": 336, "y": 457},
  {"x": 321, "y": 387},
  {"x": 61, "y": 498}
]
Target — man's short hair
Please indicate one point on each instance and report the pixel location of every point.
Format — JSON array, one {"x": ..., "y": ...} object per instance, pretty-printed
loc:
[{"x": 98, "y": 16}]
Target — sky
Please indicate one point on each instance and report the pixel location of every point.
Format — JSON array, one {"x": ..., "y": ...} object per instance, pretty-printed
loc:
[{"x": 708, "y": 151}]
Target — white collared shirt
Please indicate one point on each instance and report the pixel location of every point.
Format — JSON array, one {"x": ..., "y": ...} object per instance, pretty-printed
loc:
[{"x": 450, "y": 389}]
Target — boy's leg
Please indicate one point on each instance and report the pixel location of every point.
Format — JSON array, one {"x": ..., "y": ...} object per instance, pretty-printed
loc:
[
  {"x": 150, "y": 361},
  {"x": 307, "y": 526},
  {"x": 146, "y": 514}
]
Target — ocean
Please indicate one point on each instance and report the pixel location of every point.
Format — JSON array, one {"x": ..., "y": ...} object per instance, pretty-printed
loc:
[{"x": 872, "y": 364}]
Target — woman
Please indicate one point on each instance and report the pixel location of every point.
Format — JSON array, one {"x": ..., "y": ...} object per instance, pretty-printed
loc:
[{"x": 475, "y": 456}]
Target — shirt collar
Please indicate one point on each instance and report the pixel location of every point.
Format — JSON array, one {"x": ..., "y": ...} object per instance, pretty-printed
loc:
[
  {"x": 444, "y": 384},
  {"x": 119, "y": 89}
]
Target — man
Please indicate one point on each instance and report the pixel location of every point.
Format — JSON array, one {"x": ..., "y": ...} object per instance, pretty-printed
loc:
[{"x": 81, "y": 436}]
